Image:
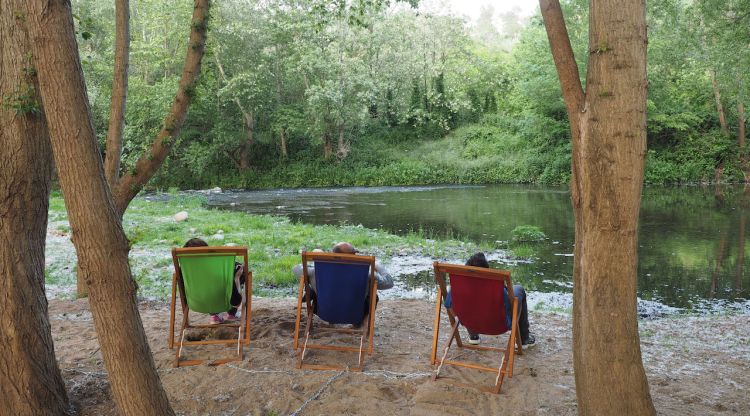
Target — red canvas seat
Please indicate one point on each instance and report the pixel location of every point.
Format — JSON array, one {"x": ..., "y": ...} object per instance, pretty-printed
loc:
[{"x": 478, "y": 298}]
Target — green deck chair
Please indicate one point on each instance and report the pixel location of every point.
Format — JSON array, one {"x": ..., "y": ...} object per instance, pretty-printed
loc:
[{"x": 205, "y": 276}]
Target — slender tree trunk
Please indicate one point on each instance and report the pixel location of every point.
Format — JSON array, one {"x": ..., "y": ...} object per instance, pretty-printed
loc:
[
  {"x": 608, "y": 126},
  {"x": 741, "y": 140},
  {"x": 132, "y": 183},
  {"x": 119, "y": 93},
  {"x": 327, "y": 145},
  {"x": 100, "y": 242},
  {"x": 343, "y": 149},
  {"x": 719, "y": 106},
  {"x": 30, "y": 381},
  {"x": 284, "y": 150},
  {"x": 247, "y": 147}
]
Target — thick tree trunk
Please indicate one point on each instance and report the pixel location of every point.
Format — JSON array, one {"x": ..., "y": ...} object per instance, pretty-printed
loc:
[
  {"x": 719, "y": 106},
  {"x": 30, "y": 381},
  {"x": 119, "y": 93},
  {"x": 149, "y": 163},
  {"x": 98, "y": 236},
  {"x": 608, "y": 126}
]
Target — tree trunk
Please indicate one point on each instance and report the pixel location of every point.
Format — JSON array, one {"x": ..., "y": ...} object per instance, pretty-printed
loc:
[
  {"x": 30, "y": 381},
  {"x": 343, "y": 149},
  {"x": 741, "y": 140},
  {"x": 327, "y": 145},
  {"x": 100, "y": 242},
  {"x": 132, "y": 183},
  {"x": 247, "y": 147},
  {"x": 719, "y": 107},
  {"x": 284, "y": 150},
  {"x": 119, "y": 93},
  {"x": 608, "y": 126}
]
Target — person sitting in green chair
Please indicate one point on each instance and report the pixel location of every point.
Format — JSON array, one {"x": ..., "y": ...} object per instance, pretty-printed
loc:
[{"x": 237, "y": 295}]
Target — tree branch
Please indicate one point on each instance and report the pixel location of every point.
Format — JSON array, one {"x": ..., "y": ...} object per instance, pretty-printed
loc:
[
  {"x": 562, "y": 53},
  {"x": 119, "y": 93},
  {"x": 148, "y": 163}
]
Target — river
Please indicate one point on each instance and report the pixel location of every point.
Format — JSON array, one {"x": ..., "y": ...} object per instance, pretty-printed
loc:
[{"x": 691, "y": 239}]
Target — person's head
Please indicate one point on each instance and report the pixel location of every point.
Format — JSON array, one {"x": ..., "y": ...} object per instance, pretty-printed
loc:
[
  {"x": 345, "y": 248},
  {"x": 478, "y": 260},
  {"x": 196, "y": 242}
]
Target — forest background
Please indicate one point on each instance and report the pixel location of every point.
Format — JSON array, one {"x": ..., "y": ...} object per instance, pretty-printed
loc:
[{"x": 300, "y": 93}]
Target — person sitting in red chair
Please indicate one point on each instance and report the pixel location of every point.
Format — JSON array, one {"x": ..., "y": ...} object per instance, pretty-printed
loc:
[{"x": 527, "y": 339}]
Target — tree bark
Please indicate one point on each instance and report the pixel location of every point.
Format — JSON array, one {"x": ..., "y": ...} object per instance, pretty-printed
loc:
[
  {"x": 100, "y": 242},
  {"x": 608, "y": 127},
  {"x": 719, "y": 106},
  {"x": 343, "y": 149},
  {"x": 284, "y": 149},
  {"x": 30, "y": 380},
  {"x": 119, "y": 93},
  {"x": 149, "y": 163},
  {"x": 327, "y": 145}
]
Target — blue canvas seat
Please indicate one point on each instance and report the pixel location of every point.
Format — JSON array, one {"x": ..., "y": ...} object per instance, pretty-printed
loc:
[{"x": 342, "y": 285}]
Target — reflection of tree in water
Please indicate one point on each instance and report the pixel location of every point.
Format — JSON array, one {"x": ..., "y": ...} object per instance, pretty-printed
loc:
[{"x": 424, "y": 280}]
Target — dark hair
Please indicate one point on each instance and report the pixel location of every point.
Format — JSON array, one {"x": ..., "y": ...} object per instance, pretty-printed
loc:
[
  {"x": 478, "y": 260},
  {"x": 196, "y": 242}
]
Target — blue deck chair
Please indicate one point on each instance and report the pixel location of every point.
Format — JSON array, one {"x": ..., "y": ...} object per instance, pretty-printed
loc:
[
  {"x": 342, "y": 282},
  {"x": 479, "y": 298},
  {"x": 204, "y": 277}
]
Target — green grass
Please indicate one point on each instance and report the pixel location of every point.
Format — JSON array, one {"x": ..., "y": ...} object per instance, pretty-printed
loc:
[{"x": 274, "y": 243}]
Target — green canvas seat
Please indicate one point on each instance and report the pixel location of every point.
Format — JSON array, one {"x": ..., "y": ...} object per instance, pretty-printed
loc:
[{"x": 204, "y": 277}]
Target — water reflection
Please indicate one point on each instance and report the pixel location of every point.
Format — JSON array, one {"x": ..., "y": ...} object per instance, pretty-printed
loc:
[{"x": 691, "y": 241}]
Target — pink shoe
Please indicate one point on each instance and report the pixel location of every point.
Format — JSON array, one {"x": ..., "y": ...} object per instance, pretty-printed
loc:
[
  {"x": 215, "y": 319},
  {"x": 231, "y": 318}
]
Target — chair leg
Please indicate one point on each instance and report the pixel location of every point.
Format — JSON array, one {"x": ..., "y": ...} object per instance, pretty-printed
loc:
[
  {"x": 501, "y": 370},
  {"x": 371, "y": 318},
  {"x": 299, "y": 312},
  {"x": 436, "y": 326},
  {"x": 172, "y": 310},
  {"x": 513, "y": 339},
  {"x": 454, "y": 332},
  {"x": 308, "y": 324}
]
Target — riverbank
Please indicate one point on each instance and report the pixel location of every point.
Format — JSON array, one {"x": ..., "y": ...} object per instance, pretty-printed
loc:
[
  {"x": 691, "y": 370},
  {"x": 274, "y": 245}
]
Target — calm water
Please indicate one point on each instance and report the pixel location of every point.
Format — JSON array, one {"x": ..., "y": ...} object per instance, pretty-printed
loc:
[{"x": 690, "y": 238}]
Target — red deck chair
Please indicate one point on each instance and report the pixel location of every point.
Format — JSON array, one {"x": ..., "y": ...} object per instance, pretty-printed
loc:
[{"x": 478, "y": 301}]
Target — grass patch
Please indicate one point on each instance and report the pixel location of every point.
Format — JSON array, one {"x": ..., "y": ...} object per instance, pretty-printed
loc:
[{"x": 274, "y": 243}]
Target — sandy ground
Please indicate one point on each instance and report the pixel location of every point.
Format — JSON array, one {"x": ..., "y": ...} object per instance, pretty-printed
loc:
[{"x": 695, "y": 366}]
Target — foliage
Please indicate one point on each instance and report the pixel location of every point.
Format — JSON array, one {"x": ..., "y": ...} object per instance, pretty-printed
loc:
[
  {"x": 401, "y": 96},
  {"x": 528, "y": 234}
]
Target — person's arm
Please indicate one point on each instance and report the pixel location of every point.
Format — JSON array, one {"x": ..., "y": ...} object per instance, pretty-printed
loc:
[{"x": 385, "y": 281}]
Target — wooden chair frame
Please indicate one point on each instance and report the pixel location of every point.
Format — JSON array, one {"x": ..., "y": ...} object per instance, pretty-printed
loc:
[
  {"x": 508, "y": 353},
  {"x": 367, "y": 330},
  {"x": 243, "y": 326}
]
